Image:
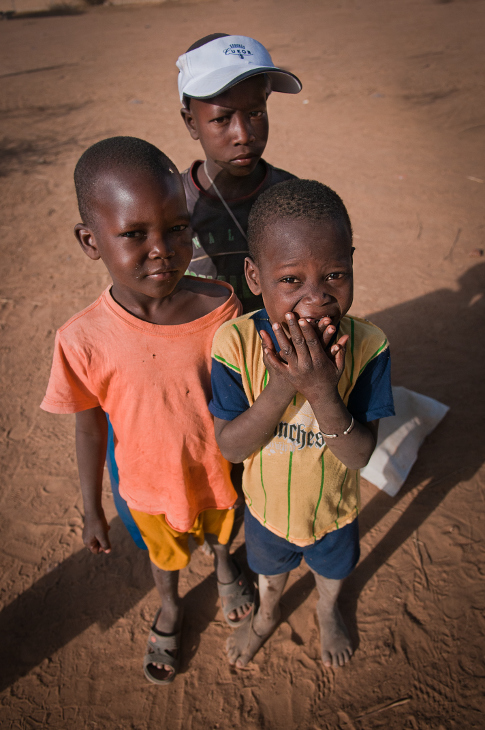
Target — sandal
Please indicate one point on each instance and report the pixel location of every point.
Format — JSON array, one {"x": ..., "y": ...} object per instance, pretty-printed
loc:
[
  {"x": 158, "y": 647},
  {"x": 234, "y": 595}
]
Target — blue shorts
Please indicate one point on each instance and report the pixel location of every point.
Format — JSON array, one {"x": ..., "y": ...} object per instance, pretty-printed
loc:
[{"x": 334, "y": 556}]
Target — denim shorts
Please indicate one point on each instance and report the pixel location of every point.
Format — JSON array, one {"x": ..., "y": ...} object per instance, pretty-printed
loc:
[{"x": 334, "y": 556}]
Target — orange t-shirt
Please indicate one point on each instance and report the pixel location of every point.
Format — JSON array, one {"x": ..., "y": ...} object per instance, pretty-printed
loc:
[{"x": 154, "y": 382}]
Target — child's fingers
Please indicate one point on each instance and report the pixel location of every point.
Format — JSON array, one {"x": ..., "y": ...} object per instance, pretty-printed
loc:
[
  {"x": 98, "y": 543},
  {"x": 286, "y": 349},
  {"x": 267, "y": 341},
  {"x": 104, "y": 544},
  {"x": 298, "y": 338},
  {"x": 312, "y": 340},
  {"x": 92, "y": 544},
  {"x": 272, "y": 360},
  {"x": 327, "y": 330},
  {"x": 338, "y": 352},
  {"x": 327, "y": 335}
]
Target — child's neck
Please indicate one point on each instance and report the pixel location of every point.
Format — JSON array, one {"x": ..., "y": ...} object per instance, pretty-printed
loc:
[
  {"x": 230, "y": 186},
  {"x": 191, "y": 299}
]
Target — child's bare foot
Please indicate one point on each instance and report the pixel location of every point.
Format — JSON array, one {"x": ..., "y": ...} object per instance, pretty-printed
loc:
[
  {"x": 247, "y": 639},
  {"x": 335, "y": 640}
]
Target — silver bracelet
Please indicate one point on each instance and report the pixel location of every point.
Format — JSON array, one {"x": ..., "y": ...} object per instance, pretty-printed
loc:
[{"x": 345, "y": 433}]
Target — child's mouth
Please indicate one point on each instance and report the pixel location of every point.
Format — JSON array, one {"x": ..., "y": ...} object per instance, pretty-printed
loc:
[{"x": 316, "y": 322}]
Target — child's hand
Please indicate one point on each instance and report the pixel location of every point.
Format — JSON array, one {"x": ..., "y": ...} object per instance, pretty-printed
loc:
[
  {"x": 276, "y": 377},
  {"x": 306, "y": 360},
  {"x": 95, "y": 533}
]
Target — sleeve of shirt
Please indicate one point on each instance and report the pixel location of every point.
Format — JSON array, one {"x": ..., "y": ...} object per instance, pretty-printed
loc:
[
  {"x": 228, "y": 397},
  {"x": 371, "y": 397},
  {"x": 68, "y": 389}
]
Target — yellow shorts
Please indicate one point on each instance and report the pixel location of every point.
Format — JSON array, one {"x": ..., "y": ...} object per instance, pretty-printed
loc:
[{"x": 169, "y": 549}]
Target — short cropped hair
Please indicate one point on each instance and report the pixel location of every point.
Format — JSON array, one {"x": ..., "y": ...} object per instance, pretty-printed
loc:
[
  {"x": 206, "y": 39},
  {"x": 294, "y": 199},
  {"x": 115, "y": 152}
]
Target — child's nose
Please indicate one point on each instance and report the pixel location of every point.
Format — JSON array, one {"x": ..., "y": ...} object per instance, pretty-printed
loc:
[
  {"x": 317, "y": 295},
  {"x": 160, "y": 248},
  {"x": 242, "y": 129}
]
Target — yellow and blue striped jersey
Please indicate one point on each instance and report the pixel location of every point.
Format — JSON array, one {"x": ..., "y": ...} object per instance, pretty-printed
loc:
[{"x": 295, "y": 486}]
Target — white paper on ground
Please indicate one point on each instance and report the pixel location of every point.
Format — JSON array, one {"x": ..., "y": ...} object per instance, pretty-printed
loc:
[{"x": 400, "y": 437}]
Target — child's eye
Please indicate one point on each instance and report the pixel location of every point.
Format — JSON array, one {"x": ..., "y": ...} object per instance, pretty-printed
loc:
[
  {"x": 256, "y": 114},
  {"x": 289, "y": 280},
  {"x": 181, "y": 227},
  {"x": 336, "y": 275},
  {"x": 221, "y": 120},
  {"x": 133, "y": 234}
]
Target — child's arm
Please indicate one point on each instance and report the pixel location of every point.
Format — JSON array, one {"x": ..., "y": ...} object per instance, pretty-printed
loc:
[
  {"x": 91, "y": 440},
  {"x": 315, "y": 373},
  {"x": 253, "y": 429}
]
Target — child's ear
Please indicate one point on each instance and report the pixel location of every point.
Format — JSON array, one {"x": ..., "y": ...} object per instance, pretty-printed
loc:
[
  {"x": 251, "y": 272},
  {"x": 190, "y": 123},
  {"x": 87, "y": 241}
]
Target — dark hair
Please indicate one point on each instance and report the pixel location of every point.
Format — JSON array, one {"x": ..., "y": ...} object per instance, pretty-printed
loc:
[
  {"x": 206, "y": 39},
  {"x": 115, "y": 152},
  {"x": 294, "y": 199}
]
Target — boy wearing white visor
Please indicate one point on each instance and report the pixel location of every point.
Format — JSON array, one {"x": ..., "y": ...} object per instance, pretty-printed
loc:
[{"x": 224, "y": 82}]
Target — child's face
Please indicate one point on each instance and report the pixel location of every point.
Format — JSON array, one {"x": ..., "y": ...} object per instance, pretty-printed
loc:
[
  {"x": 233, "y": 126},
  {"x": 305, "y": 267},
  {"x": 141, "y": 232}
]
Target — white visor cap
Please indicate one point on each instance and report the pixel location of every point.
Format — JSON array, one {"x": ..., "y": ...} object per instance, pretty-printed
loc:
[{"x": 216, "y": 66}]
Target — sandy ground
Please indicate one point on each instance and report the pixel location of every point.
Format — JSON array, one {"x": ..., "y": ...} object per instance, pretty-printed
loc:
[{"x": 392, "y": 116}]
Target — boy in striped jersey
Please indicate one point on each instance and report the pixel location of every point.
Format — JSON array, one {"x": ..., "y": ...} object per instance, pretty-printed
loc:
[{"x": 298, "y": 391}]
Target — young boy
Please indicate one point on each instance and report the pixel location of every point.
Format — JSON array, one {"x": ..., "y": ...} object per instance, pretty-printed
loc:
[
  {"x": 298, "y": 391},
  {"x": 141, "y": 353},
  {"x": 224, "y": 83}
]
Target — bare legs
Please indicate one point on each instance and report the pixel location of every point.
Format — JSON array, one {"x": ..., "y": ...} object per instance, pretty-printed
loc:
[
  {"x": 334, "y": 638},
  {"x": 170, "y": 617},
  {"x": 226, "y": 572},
  {"x": 248, "y": 638}
]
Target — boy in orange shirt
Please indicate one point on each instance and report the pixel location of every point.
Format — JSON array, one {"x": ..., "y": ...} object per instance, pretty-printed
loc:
[{"x": 141, "y": 353}]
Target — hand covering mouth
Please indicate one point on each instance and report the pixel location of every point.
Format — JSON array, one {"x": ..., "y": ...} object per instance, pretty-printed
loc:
[{"x": 316, "y": 320}]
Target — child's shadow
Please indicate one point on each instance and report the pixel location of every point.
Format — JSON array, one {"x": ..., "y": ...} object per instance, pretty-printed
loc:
[
  {"x": 84, "y": 590},
  {"x": 437, "y": 349}
]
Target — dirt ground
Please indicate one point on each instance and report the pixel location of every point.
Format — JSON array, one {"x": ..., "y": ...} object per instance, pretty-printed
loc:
[{"x": 392, "y": 116}]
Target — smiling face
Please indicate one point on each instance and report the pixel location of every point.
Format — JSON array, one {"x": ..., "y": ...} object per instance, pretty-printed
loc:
[
  {"x": 304, "y": 266},
  {"x": 233, "y": 126},
  {"x": 141, "y": 232}
]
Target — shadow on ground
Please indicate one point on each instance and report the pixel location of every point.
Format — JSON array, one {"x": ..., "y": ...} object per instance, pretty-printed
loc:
[{"x": 432, "y": 339}]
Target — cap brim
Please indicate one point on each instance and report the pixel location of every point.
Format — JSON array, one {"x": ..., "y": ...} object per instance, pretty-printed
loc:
[{"x": 218, "y": 81}]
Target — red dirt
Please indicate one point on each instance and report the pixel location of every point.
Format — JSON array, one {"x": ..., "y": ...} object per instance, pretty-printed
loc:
[{"x": 392, "y": 117}]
